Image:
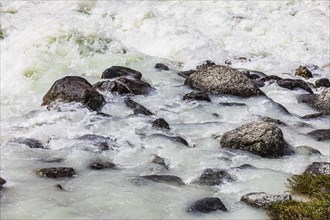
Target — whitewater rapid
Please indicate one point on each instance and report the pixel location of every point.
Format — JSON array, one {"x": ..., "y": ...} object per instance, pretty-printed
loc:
[{"x": 47, "y": 40}]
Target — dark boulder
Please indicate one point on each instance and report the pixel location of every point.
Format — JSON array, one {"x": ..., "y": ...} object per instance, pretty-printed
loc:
[
  {"x": 258, "y": 83},
  {"x": 101, "y": 164},
  {"x": 30, "y": 142},
  {"x": 186, "y": 74},
  {"x": 197, "y": 96},
  {"x": 320, "y": 101},
  {"x": 318, "y": 168},
  {"x": 2, "y": 182},
  {"x": 118, "y": 71},
  {"x": 74, "y": 89},
  {"x": 294, "y": 84},
  {"x": 137, "y": 108},
  {"x": 124, "y": 86},
  {"x": 56, "y": 172},
  {"x": 261, "y": 138},
  {"x": 303, "y": 72},
  {"x": 320, "y": 135},
  {"x": 168, "y": 179},
  {"x": 271, "y": 78},
  {"x": 206, "y": 205},
  {"x": 216, "y": 79},
  {"x": 161, "y": 66},
  {"x": 160, "y": 123},
  {"x": 212, "y": 177},
  {"x": 264, "y": 200},
  {"x": 324, "y": 82}
]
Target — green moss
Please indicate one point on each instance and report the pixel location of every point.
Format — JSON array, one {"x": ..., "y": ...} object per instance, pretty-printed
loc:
[{"x": 316, "y": 188}]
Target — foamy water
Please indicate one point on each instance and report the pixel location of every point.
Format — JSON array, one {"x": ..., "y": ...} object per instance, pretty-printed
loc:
[{"x": 47, "y": 40}]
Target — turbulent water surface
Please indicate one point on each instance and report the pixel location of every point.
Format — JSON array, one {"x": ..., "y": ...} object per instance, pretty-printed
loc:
[{"x": 47, "y": 40}]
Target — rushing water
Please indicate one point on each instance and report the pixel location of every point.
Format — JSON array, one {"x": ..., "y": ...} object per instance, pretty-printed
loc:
[{"x": 47, "y": 40}]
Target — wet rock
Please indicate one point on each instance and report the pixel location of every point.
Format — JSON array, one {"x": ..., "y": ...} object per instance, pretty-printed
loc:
[
  {"x": 101, "y": 164},
  {"x": 271, "y": 78},
  {"x": 264, "y": 200},
  {"x": 137, "y": 108},
  {"x": 236, "y": 59},
  {"x": 320, "y": 101},
  {"x": 212, "y": 177},
  {"x": 158, "y": 160},
  {"x": 303, "y": 72},
  {"x": 56, "y": 172},
  {"x": 206, "y": 205},
  {"x": 168, "y": 179},
  {"x": 320, "y": 135},
  {"x": 186, "y": 74},
  {"x": 318, "y": 168},
  {"x": 156, "y": 165},
  {"x": 160, "y": 123},
  {"x": 74, "y": 89},
  {"x": 324, "y": 82},
  {"x": 261, "y": 138},
  {"x": 245, "y": 166},
  {"x": 30, "y": 142},
  {"x": 231, "y": 104},
  {"x": 258, "y": 83},
  {"x": 161, "y": 66},
  {"x": 124, "y": 86},
  {"x": 311, "y": 116},
  {"x": 103, "y": 143},
  {"x": 118, "y": 71},
  {"x": 2, "y": 182},
  {"x": 60, "y": 187},
  {"x": 294, "y": 84},
  {"x": 306, "y": 150},
  {"x": 272, "y": 120},
  {"x": 197, "y": 96},
  {"x": 254, "y": 76},
  {"x": 216, "y": 79},
  {"x": 173, "y": 138}
]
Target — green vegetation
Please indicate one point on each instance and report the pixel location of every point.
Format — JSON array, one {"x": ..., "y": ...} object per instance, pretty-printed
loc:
[{"x": 316, "y": 188}]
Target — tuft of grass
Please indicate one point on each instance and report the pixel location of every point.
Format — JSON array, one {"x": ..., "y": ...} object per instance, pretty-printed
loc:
[{"x": 316, "y": 188}]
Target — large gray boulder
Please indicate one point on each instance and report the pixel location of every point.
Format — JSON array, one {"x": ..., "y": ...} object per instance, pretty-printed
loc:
[
  {"x": 74, "y": 89},
  {"x": 320, "y": 101},
  {"x": 262, "y": 138},
  {"x": 264, "y": 200},
  {"x": 217, "y": 79}
]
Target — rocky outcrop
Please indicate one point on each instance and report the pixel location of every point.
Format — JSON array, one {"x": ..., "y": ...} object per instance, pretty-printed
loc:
[
  {"x": 320, "y": 101},
  {"x": 118, "y": 71},
  {"x": 197, "y": 96},
  {"x": 161, "y": 66},
  {"x": 264, "y": 200},
  {"x": 74, "y": 89},
  {"x": 294, "y": 84},
  {"x": 320, "y": 135},
  {"x": 318, "y": 168},
  {"x": 124, "y": 86},
  {"x": 216, "y": 79},
  {"x": 160, "y": 123},
  {"x": 30, "y": 142},
  {"x": 324, "y": 82},
  {"x": 206, "y": 205},
  {"x": 137, "y": 108},
  {"x": 212, "y": 177},
  {"x": 303, "y": 72},
  {"x": 56, "y": 172},
  {"x": 261, "y": 138},
  {"x": 168, "y": 179}
]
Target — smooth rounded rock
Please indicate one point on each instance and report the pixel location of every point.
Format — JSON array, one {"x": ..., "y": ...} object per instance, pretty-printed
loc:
[
  {"x": 324, "y": 82},
  {"x": 118, "y": 71},
  {"x": 207, "y": 205}
]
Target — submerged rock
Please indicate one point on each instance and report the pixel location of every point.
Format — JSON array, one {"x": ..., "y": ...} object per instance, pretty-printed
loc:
[
  {"x": 206, "y": 205},
  {"x": 118, "y": 71},
  {"x": 56, "y": 172},
  {"x": 212, "y": 177},
  {"x": 173, "y": 138},
  {"x": 156, "y": 165},
  {"x": 103, "y": 143},
  {"x": 307, "y": 150},
  {"x": 197, "y": 96},
  {"x": 2, "y": 182},
  {"x": 161, "y": 66},
  {"x": 324, "y": 82},
  {"x": 30, "y": 142},
  {"x": 137, "y": 108},
  {"x": 74, "y": 89},
  {"x": 216, "y": 79},
  {"x": 271, "y": 78},
  {"x": 261, "y": 138},
  {"x": 294, "y": 84},
  {"x": 318, "y": 168},
  {"x": 311, "y": 116},
  {"x": 272, "y": 120},
  {"x": 231, "y": 104},
  {"x": 186, "y": 74},
  {"x": 245, "y": 166},
  {"x": 320, "y": 101},
  {"x": 320, "y": 135},
  {"x": 101, "y": 164},
  {"x": 303, "y": 72},
  {"x": 124, "y": 86},
  {"x": 264, "y": 200},
  {"x": 160, "y": 123},
  {"x": 168, "y": 179}
]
